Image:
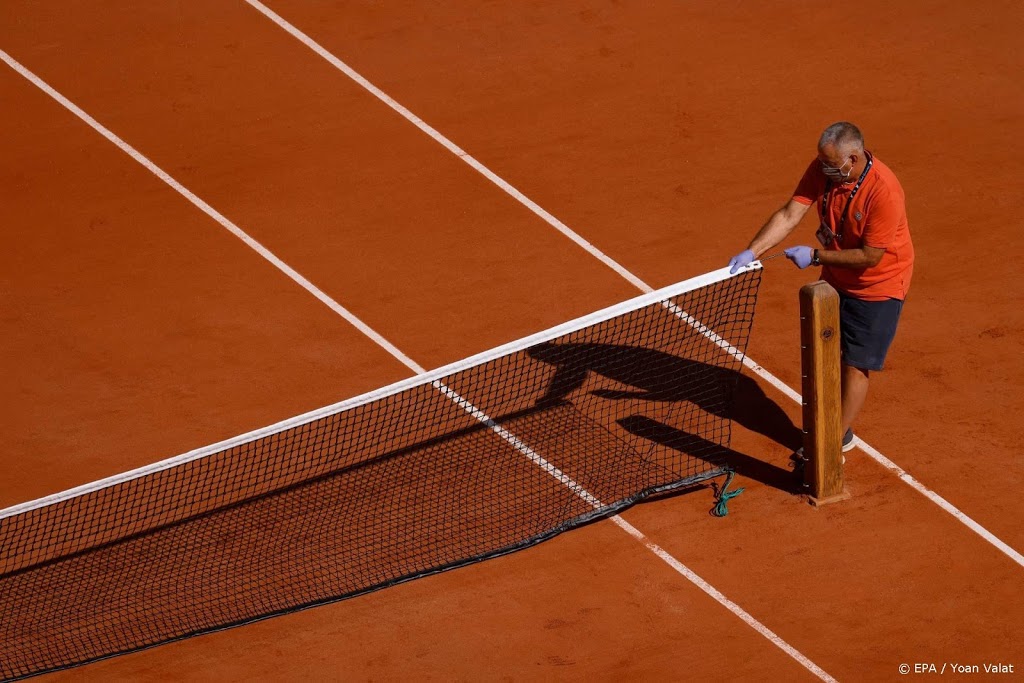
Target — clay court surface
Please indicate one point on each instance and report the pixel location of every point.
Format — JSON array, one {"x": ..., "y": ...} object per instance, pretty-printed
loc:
[{"x": 134, "y": 327}]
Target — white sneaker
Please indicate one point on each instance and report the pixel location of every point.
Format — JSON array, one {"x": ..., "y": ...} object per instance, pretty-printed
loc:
[{"x": 848, "y": 442}]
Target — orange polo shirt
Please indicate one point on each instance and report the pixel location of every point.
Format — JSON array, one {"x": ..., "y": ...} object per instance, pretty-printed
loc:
[{"x": 877, "y": 217}]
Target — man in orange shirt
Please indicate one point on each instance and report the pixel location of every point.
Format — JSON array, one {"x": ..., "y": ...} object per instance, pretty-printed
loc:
[{"x": 864, "y": 249}]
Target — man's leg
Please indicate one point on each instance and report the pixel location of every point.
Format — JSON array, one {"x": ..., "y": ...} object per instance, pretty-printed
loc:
[{"x": 855, "y": 390}]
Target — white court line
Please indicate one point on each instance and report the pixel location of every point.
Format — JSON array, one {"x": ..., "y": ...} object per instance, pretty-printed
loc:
[
  {"x": 720, "y": 598},
  {"x": 337, "y": 308},
  {"x": 449, "y": 145},
  {"x": 759, "y": 370},
  {"x": 212, "y": 213},
  {"x": 939, "y": 500},
  {"x": 658, "y": 551}
]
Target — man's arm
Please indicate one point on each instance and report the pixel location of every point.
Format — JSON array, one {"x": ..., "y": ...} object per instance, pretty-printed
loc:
[
  {"x": 865, "y": 257},
  {"x": 778, "y": 227}
]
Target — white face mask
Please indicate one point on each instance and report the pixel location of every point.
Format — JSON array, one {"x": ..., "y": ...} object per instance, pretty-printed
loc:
[{"x": 837, "y": 173}]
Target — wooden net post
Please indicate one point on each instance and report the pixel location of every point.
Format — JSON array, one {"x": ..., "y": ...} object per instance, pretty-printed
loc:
[{"x": 822, "y": 392}]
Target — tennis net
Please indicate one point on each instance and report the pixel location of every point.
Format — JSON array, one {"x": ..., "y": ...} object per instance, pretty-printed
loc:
[{"x": 467, "y": 462}]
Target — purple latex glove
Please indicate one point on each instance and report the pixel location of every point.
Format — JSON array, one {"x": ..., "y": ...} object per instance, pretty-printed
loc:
[
  {"x": 741, "y": 260},
  {"x": 801, "y": 256}
]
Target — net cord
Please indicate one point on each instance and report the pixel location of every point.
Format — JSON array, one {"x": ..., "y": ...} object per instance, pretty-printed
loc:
[{"x": 658, "y": 296}]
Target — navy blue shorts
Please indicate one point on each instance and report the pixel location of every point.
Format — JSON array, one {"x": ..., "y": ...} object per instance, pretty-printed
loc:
[{"x": 867, "y": 329}]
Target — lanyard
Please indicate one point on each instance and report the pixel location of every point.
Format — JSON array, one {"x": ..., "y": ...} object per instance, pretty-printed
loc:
[{"x": 849, "y": 200}]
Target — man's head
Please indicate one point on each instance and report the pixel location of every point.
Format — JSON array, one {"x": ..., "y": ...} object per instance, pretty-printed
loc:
[{"x": 841, "y": 152}]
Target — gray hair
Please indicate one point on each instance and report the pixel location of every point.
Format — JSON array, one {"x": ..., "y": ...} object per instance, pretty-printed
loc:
[{"x": 842, "y": 135}]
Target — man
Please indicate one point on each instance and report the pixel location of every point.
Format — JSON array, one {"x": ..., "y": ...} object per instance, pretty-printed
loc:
[{"x": 864, "y": 249}]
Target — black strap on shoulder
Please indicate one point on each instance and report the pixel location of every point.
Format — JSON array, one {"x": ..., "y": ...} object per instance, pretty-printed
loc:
[{"x": 849, "y": 200}]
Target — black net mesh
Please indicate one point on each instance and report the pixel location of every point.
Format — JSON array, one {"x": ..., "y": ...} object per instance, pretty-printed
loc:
[{"x": 486, "y": 460}]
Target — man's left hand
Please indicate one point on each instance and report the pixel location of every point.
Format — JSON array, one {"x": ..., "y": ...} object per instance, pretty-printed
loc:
[{"x": 801, "y": 256}]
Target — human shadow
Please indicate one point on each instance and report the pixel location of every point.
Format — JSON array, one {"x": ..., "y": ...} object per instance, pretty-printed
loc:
[
  {"x": 694, "y": 446},
  {"x": 662, "y": 377}
]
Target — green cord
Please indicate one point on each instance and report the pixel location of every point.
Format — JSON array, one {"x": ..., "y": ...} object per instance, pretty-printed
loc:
[{"x": 723, "y": 497}]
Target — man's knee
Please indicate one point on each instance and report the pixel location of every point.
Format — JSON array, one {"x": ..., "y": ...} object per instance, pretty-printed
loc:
[{"x": 854, "y": 370}]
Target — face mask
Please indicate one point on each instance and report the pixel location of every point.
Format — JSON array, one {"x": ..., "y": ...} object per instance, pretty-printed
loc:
[{"x": 837, "y": 173}]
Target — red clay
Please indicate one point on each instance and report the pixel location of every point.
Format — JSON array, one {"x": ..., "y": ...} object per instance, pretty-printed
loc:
[
  {"x": 131, "y": 329},
  {"x": 664, "y": 133}
]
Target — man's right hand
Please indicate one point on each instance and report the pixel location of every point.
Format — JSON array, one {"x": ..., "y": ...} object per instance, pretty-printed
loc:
[{"x": 741, "y": 260}]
